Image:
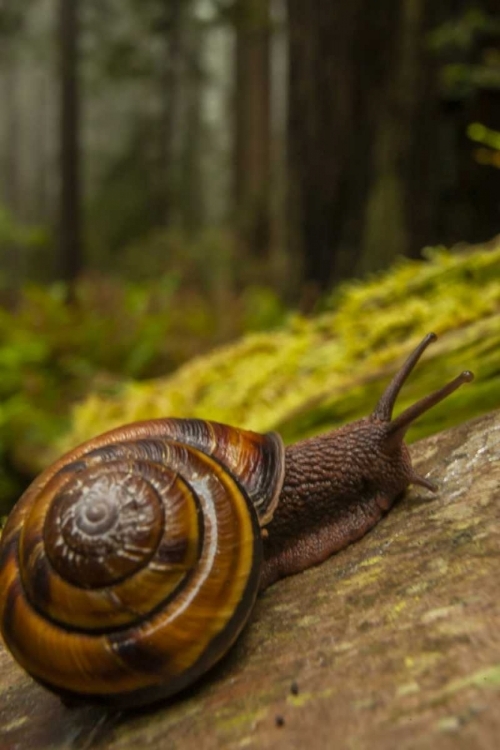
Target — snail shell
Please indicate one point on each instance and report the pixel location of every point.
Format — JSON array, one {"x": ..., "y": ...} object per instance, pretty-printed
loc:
[{"x": 130, "y": 566}]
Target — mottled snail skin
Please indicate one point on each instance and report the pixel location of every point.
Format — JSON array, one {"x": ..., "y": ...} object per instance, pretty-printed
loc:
[
  {"x": 338, "y": 485},
  {"x": 130, "y": 566}
]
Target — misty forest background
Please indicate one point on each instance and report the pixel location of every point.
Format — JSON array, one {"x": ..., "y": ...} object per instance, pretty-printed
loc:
[{"x": 177, "y": 173}]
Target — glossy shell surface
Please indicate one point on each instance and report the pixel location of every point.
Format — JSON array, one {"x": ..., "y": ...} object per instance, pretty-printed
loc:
[{"x": 129, "y": 567}]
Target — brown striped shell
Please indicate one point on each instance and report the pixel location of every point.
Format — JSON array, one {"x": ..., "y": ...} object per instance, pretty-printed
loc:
[{"x": 129, "y": 567}]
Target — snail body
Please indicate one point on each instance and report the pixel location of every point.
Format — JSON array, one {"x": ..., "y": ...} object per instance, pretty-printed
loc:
[{"x": 129, "y": 567}]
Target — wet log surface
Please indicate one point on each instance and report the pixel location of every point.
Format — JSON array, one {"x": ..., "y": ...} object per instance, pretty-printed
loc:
[{"x": 393, "y": 643}]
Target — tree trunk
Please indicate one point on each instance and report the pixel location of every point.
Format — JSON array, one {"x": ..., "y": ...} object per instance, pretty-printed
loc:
[
  {"x": 41, "y": 201},
  {"x": 11, "y": 178},
  {"x": 171, "y": 95},
  {"x": 191, "y": 193},
  {"x": 322, "y": 102},
  {"x": 71, "y": 258},
  {"x": 10, "y": 103},
  {"x": 253, "y": 126},
  {"x": 362, "y": 136}
]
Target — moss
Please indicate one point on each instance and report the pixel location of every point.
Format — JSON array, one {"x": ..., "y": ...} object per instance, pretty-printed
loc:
[
  {"x": 317, "y": 373},
  {"x": 488, "y": 678},
  {"x": 305, "y": 698}
]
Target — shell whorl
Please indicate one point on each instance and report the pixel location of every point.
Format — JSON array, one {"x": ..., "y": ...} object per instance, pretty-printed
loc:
[{"x": 131, "y": 565}]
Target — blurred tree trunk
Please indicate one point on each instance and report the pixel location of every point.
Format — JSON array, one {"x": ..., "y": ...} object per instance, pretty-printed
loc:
[
  {"x": 41, "y": 198},
  {"x": 361, "y": 142},
  {"x": 11, "y": 193},
  {"x": 322, "y": 116},
  {"x": 191, "y": 194},
  {"x": 10, "y": 105},
  {"x": 253, "y": 125},
  {"x": 71, "y": 258},
  {"x": 175, "y": 13},
  {"x": 11, "y": 24}
]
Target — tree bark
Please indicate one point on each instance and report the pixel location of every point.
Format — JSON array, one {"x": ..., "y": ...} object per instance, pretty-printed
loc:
[
  {"x": 10, "y": 102},
  {"x": 13, "y": 256},
  {"x": 322, "y": 101},
  {"x": 71, "y": 251},
  {"x": 252, "y": 151},
  {"x": 192, "y": 188},
  {"x": 171, "y": 81},
  {"x": 363, "y": 140}
]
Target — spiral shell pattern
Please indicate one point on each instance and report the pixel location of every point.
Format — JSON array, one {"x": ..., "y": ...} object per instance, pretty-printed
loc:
[{"x": 129, "y": 567}]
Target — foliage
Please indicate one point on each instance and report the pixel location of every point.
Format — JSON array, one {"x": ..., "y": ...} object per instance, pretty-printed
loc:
[
  {"x": 25, "y": 242},
  {"x": 302, "y": 378},
  {"x": 11, "y": 18},
  {"x": 53, "y": 352},
  {"x": 461, "y": 31},
  {"x": 467, "y": 44},
  {"x": 489, "y": 152},
  {"x": 312, "y": 374}
]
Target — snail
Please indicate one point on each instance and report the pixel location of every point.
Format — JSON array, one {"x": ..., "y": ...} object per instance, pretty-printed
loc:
[{"x": 129, "y": 567}]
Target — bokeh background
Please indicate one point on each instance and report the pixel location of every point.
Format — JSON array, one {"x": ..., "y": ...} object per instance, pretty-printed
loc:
[{"x": 310, "y": 185}]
